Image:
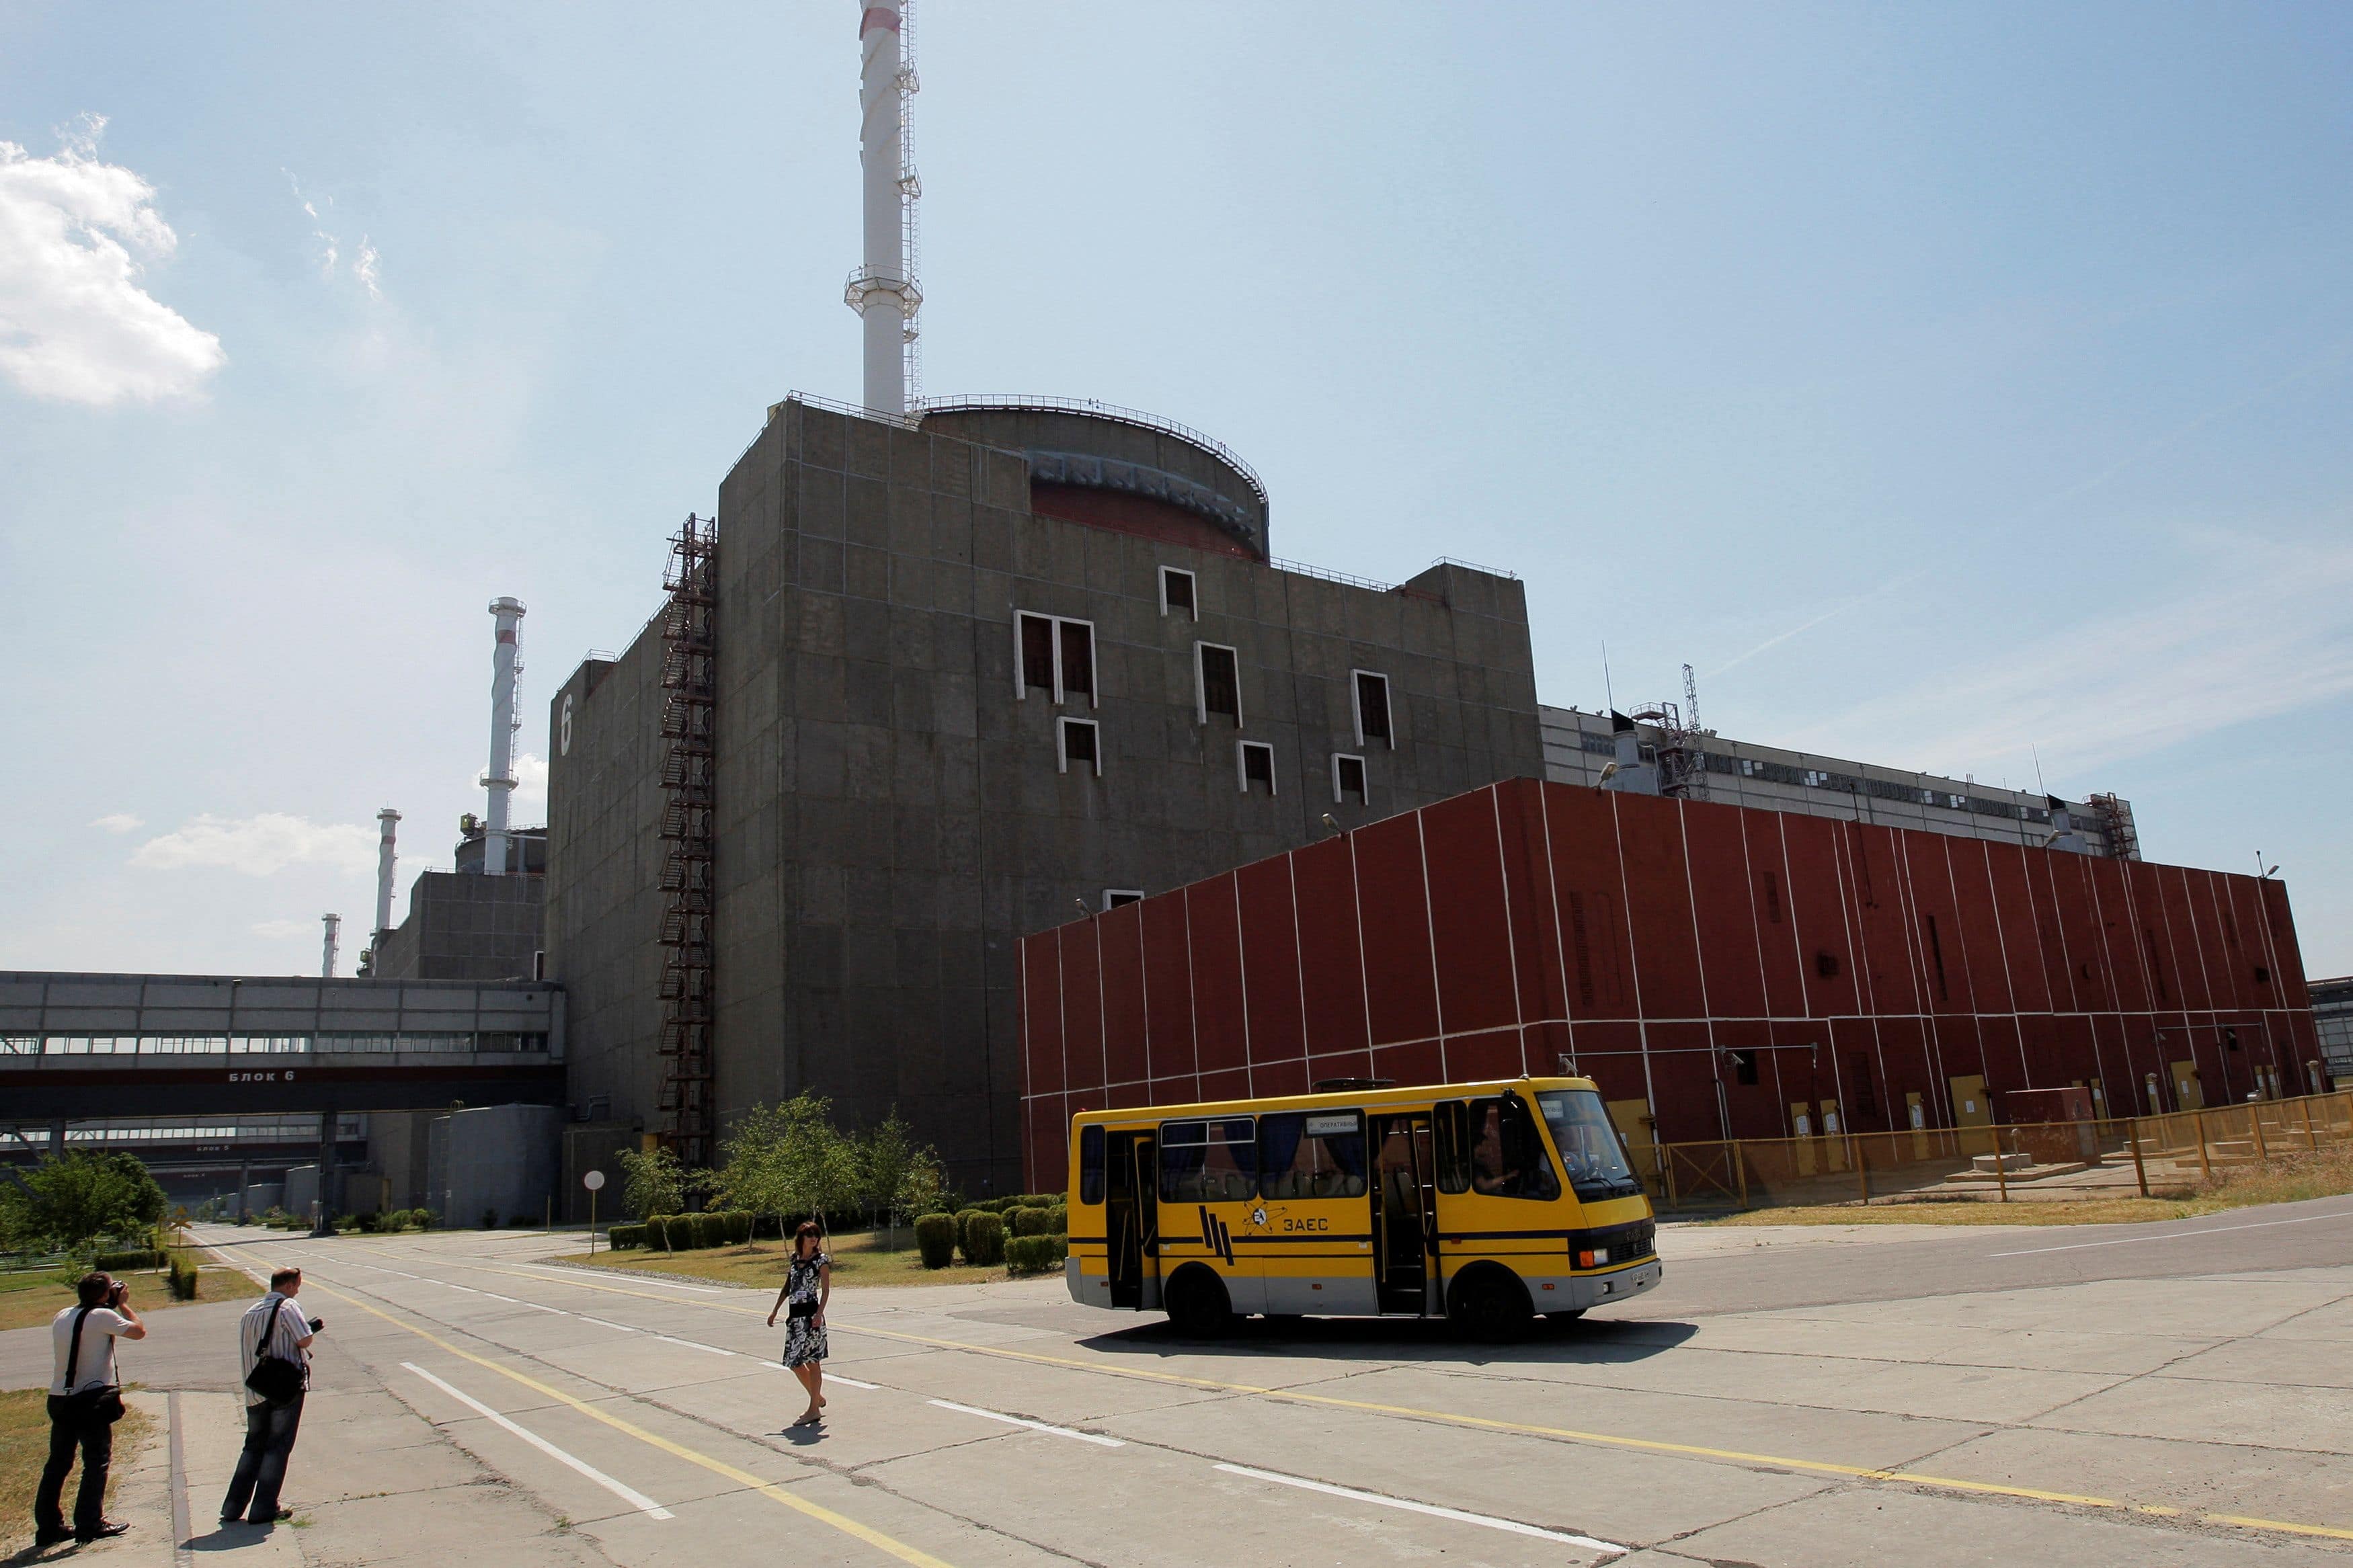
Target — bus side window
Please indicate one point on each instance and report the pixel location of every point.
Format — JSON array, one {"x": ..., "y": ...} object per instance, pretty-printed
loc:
[
  {"x": 1091, "y": 1165},
  {"x": 1312, "y": 1155},
  {"x": 1209, "y": 1161},
  {"x": 1507, "y": 1158},
  {"x": 1451, "y": 1124}
]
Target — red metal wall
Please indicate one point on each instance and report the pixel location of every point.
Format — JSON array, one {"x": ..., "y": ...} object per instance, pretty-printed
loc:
[{"x": 1528, "y": 926}]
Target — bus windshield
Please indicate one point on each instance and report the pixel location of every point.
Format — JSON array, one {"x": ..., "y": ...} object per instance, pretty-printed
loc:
[{"x": 1588, "y": 1143}]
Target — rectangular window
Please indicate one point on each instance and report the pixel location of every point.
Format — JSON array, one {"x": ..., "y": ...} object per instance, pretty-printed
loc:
[
  {"x": 1217, "y": 683},
  {"x": 1507, "y": 1156},
  {"x": 1254, "y": 765},
  {"x": 1035, "y": 638},
  {"x": 1318, "y": 1154},
  {"x": 1372, "y": 708},
  {"x": 1078, "y": 650},
  {"x": 1176, "y": 593},
  {"x": 1091, "y": 1164},
  {"x": 1937, "y": 956},
  {"x": 1209, "y": 1161},
  {"x": 1080, "y": 746},
  {"x": 1115, "y": 897},
  {"x": 1347, "y": 779}
]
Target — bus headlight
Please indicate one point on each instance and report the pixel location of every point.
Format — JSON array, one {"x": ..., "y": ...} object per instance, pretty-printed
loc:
[{"x": 1593, "y": 1259}]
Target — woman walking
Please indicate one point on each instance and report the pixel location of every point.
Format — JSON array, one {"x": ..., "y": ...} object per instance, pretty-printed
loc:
[{"x": 807, "y": 1284}]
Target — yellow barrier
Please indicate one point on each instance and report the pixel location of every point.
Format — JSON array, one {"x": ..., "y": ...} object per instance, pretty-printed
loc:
[{"x": 2121, "y": 1156}]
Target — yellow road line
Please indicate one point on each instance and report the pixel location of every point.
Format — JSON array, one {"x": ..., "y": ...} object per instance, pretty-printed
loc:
[
  {"x": 848, "y": 1526},
  {"x": 1604, "y": 1440}
]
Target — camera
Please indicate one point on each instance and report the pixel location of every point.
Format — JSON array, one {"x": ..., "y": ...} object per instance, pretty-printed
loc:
[
  {"x": 317, "y": 1324},
  {"x": 118, "y": 1292}
]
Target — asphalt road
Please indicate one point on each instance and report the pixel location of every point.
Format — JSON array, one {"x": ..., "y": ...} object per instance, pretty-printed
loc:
[{"x": 2168, "y": 1395}]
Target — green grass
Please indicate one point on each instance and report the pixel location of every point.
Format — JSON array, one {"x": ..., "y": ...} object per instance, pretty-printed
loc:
[
  {"x": 860, "y": 1258},
  {"x": 2292, "y": 1178},
  {"x": 25, "y": 1448},
  {"x": 25, "y": 1308}
]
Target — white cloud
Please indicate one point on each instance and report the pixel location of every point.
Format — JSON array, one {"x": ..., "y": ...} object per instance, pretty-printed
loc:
[
  {"x": 367, "y": 266},
  {"x": 2256, "y": 642},
  {"x": 117, "y": 822},
  {"x": 74, "y": 322},
  {"x": 531, "y": 790},
  {"x": 261, "y": 846},
  {"x": 368, "y": 269}
]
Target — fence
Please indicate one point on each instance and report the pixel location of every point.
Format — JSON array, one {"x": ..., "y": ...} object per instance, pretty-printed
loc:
[{"x": 2130, "y": 1156}]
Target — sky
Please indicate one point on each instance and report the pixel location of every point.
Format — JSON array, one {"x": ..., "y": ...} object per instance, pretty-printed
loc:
[{"x": 1965, "y": 388}]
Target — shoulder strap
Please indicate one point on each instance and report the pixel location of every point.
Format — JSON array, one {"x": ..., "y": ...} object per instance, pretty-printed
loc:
[
  {"x": 73, "y": 1352},
  {"x": 269, "y": 1324}
]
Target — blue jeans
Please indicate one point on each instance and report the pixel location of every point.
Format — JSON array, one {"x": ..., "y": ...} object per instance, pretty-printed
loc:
[{"x": 269, "y": 1431}]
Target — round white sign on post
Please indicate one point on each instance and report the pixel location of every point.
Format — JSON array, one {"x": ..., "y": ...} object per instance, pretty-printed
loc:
[{"x": 593, "y": 1180}]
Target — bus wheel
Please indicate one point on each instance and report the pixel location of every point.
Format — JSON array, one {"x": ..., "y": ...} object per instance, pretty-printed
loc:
[
  {"x": 1197, "y": 1306},
  {"x": 1492, "y": 1305}
]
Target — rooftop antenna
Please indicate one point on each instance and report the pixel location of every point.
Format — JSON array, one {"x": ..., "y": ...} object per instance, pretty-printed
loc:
[
  {"x": 2039, "y": 788},
  {"x": 1608, "y": 695},
  {"x": 1691, "y": 700},
  {"x": 500, "y": 781},
  {"x": 883, "y": 290}
]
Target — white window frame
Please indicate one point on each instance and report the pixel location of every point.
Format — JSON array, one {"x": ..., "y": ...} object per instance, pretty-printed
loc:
[
  {"x": 1356, "y": 705},
  {"x": 1054, "y": 625},
  {"x": 1201, "y": 682},
  {"x": 1339, "y": 797},
  {"x": 1130, "y": 895},
  {"x": 1192, "y": 577},
  {"x": 1062, "y": 744},
  {"x": 1241, "y": 767}
]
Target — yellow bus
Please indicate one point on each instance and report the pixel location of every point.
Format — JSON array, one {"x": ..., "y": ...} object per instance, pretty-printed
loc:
[{"x": 1486, "y": 1203}]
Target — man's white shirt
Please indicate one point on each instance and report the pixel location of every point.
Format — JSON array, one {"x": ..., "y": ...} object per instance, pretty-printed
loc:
[
  {"x": 284, "y": 1339},
  {"x": 96, "y": 1363}
]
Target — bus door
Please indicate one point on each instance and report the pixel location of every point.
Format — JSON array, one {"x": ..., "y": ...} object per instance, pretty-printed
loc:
[
  {"x": 1132, "y": 1217},
  {"x": 1405, "y": 1212}
]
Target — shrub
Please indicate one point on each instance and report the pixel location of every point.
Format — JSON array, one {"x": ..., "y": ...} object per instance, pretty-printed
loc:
[
  {"x": 936, "y": 1238},
  {"x": 369, "y": 1224},
  {"x": 1058, "y": 1220},
  {"x": 1035, "y": 1254},
  {"x": 679, "y": 1233},
  {"x": 245, "y": 1216},
  {"x": 622, "y": 1237},
  {"x": 183, "y": 1278},
  {"x": 1032, "y": 1221},
  {"x": 710, "y": 1230},
  {"x": 739, "y": 1227},
  {"x": 123, "y": 1262},
  {"x": 421, "y": 1217},
  {"x": 1040, "y": 1200},
  {"x": 983, "y": 1240}
]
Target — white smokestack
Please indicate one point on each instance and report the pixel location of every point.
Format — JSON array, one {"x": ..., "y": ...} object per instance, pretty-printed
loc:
[
  {"x": 386, "y": 820},
  {"x": 883, "y": 290},
  {"x": 500, "y": 780},
  {"x": 327, "y": 958}
]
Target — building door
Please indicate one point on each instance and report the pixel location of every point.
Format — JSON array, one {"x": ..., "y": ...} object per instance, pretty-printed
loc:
[
  {"x": 1404, "y": 1213},
  {"x": 1972, "y": 1107},
  {"x": 1131, "y": 1215},
  {"x": 1915, "y": 1116},
  {"x": 1638, "y": 1129},
  {"x": 2186, "y": 1093}
]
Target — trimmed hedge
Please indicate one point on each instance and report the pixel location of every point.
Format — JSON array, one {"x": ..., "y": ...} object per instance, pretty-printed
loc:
[
  {"x": 623, "y": 1238},
  {"x": 678, "y": 1232},
  {"x": 935, "y": 1240},
  {"x": 183, "y": 1278},
  {"x": 710, "y": 1230},
  {"x": 738, "y": 1226},
  {"x": 121, "y": 1262},
  {"x": 1058, "y": 1220},
  {"x": 1031, "y": 1221},
  {"x": 983, "y": 1240},
  {"x": 1036, "y": 1254}
]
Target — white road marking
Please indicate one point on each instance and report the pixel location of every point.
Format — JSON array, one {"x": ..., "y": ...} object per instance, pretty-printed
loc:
[
  {"x": 1033, "y": 1425},
  {"x": 837, "y": 1377},
  {"x": 628, "y": 1494},
  {"x": 690, "y": 1344},
  {"x": 2173, "y": 1234},
  {"x": 1458, "y": 1515},
  {"x": 603, "y": 1324},
  {"x": 632, "y": 1278}
]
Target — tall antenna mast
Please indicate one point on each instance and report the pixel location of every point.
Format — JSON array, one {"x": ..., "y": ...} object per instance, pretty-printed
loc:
[
  {"x": 883, "y": 290},
  {"x": 1691, "y": 702}
]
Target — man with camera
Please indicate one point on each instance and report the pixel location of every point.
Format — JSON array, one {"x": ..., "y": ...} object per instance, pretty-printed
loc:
[
  {"x": 274, "y": 1339},
  {"x": 85, "y": 1402}
]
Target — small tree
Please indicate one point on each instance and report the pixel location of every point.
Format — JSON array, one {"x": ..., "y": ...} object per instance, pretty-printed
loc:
[
  {"x": 652, "y": 1182},
  {"x": 790, "y": 1159},
  {"x": 71, "y": 1202},
  {"x": 900, "y": 1177}
]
